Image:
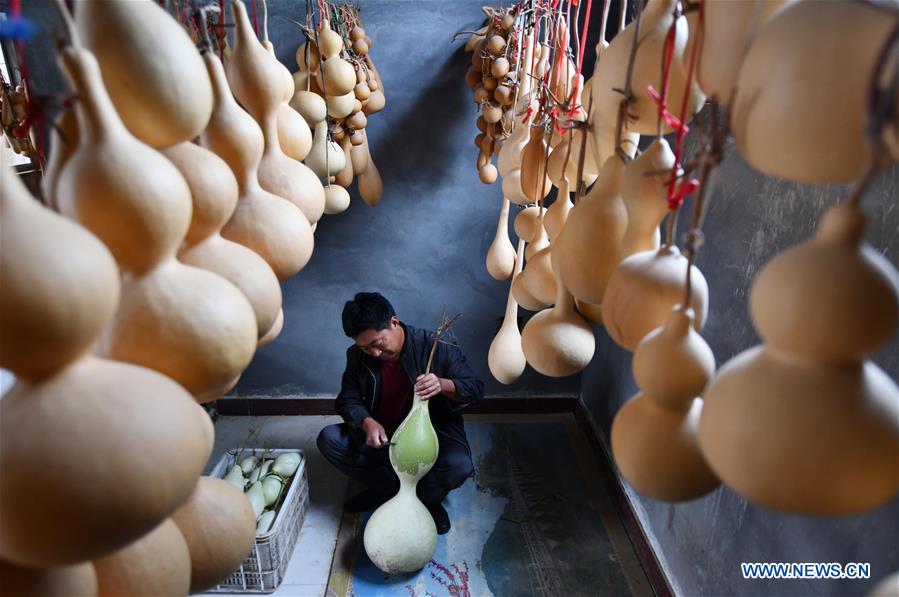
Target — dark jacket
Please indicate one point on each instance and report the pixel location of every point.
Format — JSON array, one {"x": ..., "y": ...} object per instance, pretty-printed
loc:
[{"x": 360, "y": 388}]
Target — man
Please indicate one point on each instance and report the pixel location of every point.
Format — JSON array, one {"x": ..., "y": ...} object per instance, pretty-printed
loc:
[{"x": 384, "y": 365}]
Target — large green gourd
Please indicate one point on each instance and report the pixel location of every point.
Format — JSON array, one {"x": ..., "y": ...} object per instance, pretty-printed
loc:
[{"x": 401, "y": 536}]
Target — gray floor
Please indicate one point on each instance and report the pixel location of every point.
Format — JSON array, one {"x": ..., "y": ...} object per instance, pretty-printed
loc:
[{"x": 311, "y": 565}]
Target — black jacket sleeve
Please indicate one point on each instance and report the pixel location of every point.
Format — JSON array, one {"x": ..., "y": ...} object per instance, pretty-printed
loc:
[
  {"x": 349, "y": 403},
  {"x": 451, "y": 364}
]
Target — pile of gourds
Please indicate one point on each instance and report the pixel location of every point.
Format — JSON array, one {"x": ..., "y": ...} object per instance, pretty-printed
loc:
[
  {"x": 337, "y": 88},
  {"x": 148, "y": 294},
  {"x": 808, "y": 395}
]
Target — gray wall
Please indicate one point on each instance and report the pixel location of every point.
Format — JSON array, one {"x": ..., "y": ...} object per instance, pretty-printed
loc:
[
  {"x": 701, "y": 543},
  {"x": 423, "y": 247}
]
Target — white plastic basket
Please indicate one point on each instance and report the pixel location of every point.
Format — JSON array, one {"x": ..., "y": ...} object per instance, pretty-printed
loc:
[{"x": 263, "y": 569}]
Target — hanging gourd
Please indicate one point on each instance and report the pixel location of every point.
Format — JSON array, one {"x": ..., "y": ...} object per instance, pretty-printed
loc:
[
  {"x": 589, "y": 311},
  {"x": 538, "y": 277},
  {"x": 801, "y": 128},
  {"x": 654, "y": 436},
  {"x": 725, "y": 35},
  {"x": 501, "y": 254},
  {"x": 326, "y": 157},
  {"x": 589, "y": 247},
  {"x": 643, "y": 289},
  {"x": 64, "y": 581},
  {"x": 644, "y": 188},
  {"x": 98, "y": 421},
  {"x": 539, "y": 240},
  {"x": 270, "y": 225},
  {"x": 153, "y": 74},
  {"x": 250, "y": 70},
  {"x": 610, "y": 75},
  {"x": 214, "y": 192},
  {"x": 343, "y": 178},
  {"x": 557, "y": 214},
  {"x": 535, "y": 184},
  {"x": 400, "y": 536},
  {"x": 370, "y": 185},
  {"x": 219, "y": 527},
  {"x": 311, "y": 106},
  {"x": 526, "y": 222},
  {"x": 808, "y": 394},
  {"x": 505, "y": 357},
  {"x": 156, "y": 564},
  {"x": 184, "y": 322},
  {"x": 337, "y": 199},
  {"x": 557, "y": 342}
]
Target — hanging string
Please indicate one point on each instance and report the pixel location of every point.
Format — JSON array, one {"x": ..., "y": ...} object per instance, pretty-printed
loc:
[
  {"x": 221, "y": 35},
  {"x": 580, "y": 57},
  {"x": 255, "y": 20},
  {"x": 628, "y": 93},
  {"x": 34, "y": 116}
]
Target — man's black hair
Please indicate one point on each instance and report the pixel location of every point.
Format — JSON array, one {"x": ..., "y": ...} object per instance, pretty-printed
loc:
[{"x": 367, "y": 310}]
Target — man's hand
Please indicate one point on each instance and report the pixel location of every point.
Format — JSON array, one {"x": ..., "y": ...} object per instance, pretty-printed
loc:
[
  {"x": 375, "y": 436},
  {"x": 428, "y": 386}
]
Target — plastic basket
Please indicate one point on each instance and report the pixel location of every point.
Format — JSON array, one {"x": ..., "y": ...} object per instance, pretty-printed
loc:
[{"x": 263, "y": 569}]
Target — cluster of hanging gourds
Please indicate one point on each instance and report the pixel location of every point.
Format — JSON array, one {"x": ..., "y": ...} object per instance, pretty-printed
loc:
[
  {"x": 150, "y": 295},
  {"x": 336, "y": 89},
  {"x": 782, "y": 420}
]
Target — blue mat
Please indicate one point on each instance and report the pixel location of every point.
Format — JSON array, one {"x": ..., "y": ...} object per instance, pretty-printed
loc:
[{"x": 525, "y": 525}]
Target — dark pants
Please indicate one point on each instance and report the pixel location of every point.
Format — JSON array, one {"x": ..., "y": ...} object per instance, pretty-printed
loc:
[{"x": 346, "y": 449}]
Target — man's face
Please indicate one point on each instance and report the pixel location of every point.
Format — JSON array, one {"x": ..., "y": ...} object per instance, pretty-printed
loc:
[{"x": 384, "y": 344}]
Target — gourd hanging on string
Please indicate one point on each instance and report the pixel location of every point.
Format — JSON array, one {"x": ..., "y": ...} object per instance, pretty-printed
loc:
[
  {"x": 98, "y": 421},
  {"x": 501, "y": 255},
  {"x": 654, "y": 436},
  {"x": 610, "y": 75},
  {"x": 555, "y": 217},
  {"x": 337, "y": 199},
  {"x": 343, "y": 178},
  {"x": 326, "y": 157},
  {"x": 557, "y": 342},
  {"x": 644, "y": 189},
  {"x": 370, "y": 185},
  {"x": 156, "y": 564},
  {"x": 808, "y": 394},
  {"x": 214, "y": 192},
  {"x": 185, "y": 322},
  {"x": 798, "y": 128},
  {"x": 250, "y": 70},
  {"x": 63, "y": 581},
  {"x": 270, "y": 225},
  {"x": 505, "y": 358},
  {"x": 219, "y": 526},
  {"x": 153, "y": 74},
  {"x": 589, "y": 247},
  {"x": 726, "y": 33},
  {"x": 535, "y": 184},
  {"x": 400, "y": 537}
]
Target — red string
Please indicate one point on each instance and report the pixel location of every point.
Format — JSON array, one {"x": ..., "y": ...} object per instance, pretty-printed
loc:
[
  {"x": 580, "y": 57},
  {"x": 677, "y": 193},
  {"x": 33, "y": 114},
  {"x": 222, "y": 30},
  {"x": 255, "y": 20}
]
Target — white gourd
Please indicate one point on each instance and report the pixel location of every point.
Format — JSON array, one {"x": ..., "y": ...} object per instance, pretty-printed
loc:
[
  {"x": 501, "y": 255},
  {"x": 505, "y": 357}
]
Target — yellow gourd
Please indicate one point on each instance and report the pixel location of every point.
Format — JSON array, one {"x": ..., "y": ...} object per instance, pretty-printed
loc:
[
  {"x": 808, "y": 395},
  {"x": 557, "y": 214},
  {"x": 156, "y": 564},
  {"x": 644, "y": 189},
  {"x": 505, "y": 356},
  {"x": 535, "y": 184},
  {"x": 219, "y": 526},
  {"x": 589, "y": 248},
  {"x": 501, "y": 255},
  {"x": 154, "y": 75},
  {"x": 215, "y": 194},
  {"x": 250, "y": 71},
  {"x": 654, "y": 436},
  {"x": 311, "y": 106},
  {"x": 271, "y": 226},
  {"x": 337, "y": 199},
  {"x": 98, "y": 421},
  {"x": 557, "y": 342},
  {"x": 370, "y": 185},
  {"x": 610, "y": 75},
  {"x": 643, "y": 289},
  {"x": 326, "y": 157},
  {"x": 344, "y": 178},
  {"x": 187, "y": 323},
  {"x": 794, "y": 127}
]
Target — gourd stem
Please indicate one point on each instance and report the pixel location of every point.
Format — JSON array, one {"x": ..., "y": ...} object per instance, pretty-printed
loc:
[
  {"x": 580, "y": 187},
  {"x": 622, "y": 16},
  {"x": 444, "y": 326}
]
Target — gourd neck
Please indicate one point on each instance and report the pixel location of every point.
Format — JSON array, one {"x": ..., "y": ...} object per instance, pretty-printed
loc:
[
  {"x": 511, "y": 303},
  {"x": 96, "y": 114},
  {"x": 502, "y": 226}
]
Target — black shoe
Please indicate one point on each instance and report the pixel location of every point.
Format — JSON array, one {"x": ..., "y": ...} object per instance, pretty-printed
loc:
[
  {"x": 365, "y": 501},
  {"x": 441, "y": 519}
]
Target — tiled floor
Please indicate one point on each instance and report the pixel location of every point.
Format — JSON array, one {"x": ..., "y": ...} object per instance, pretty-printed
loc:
[{"x": 539, "y": 529}]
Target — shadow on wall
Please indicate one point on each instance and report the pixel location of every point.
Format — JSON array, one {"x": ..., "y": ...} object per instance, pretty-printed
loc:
[{"x": 417, "y": 139}]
